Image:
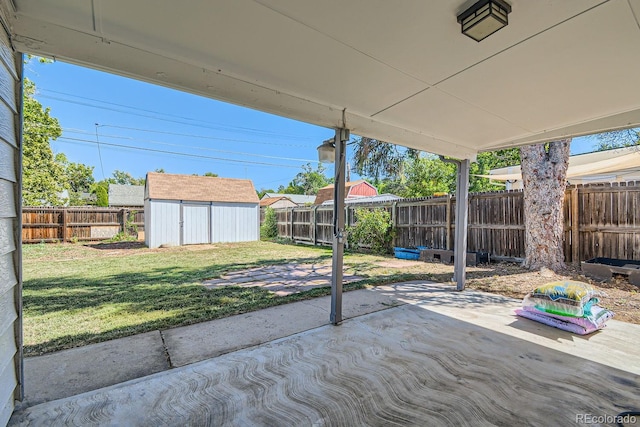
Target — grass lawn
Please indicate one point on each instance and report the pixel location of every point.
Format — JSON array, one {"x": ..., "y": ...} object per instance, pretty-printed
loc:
[{"x": 79, "y": 294}]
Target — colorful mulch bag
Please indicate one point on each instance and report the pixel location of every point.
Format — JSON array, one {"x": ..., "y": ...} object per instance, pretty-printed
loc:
[
  {"x": 564, "y": 298},
  {"x": 570, "y": 306}
]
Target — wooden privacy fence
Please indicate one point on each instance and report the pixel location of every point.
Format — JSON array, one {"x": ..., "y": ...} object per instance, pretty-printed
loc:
[
  {"x": 600, "y": 221},
  {"x": 61, "y": 224}
]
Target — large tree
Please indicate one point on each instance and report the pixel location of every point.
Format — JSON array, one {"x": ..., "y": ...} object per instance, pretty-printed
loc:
[
  {"x": 544, "y": 172},
  {"x": 42, "y": 177},
  {"x": 544, "y": 165}
]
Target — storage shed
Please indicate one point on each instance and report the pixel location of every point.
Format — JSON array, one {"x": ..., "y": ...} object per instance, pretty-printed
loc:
[{"x": 186, "y": 209}]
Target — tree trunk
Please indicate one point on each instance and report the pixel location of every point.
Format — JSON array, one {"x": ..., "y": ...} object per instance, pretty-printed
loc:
[{"x": 544, "y": 172}]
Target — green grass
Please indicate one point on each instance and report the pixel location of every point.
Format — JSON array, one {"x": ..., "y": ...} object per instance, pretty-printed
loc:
[{"x": 76, "y": 294}]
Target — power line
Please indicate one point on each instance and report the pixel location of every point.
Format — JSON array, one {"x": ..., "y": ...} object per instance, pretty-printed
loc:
[
  {"x": 99, "y": 152},
  {"x": 186, "y": 135},
  {"x": 177, "y": 153},
  {"x": 213, "y": 138},
  {"x": 152, "y": 115},
  {"x": 240, "y": 153}
]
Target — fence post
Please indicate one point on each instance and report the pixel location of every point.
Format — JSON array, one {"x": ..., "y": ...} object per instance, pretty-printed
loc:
[
  {"x": 123, "y": 220},
  {"x": 347, "y": 213},
  {"x": 291, "y": 224},
  {"x": 394, "y": 223},
  {"x": 575, "y": 225},
  {"x": 314, "y": 226},
  {"x": 64, "y": 225},
  {"x": 448, "y": 220}
]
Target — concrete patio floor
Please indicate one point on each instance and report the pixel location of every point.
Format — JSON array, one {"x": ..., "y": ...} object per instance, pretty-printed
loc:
[{"x": 432, "y": 357}]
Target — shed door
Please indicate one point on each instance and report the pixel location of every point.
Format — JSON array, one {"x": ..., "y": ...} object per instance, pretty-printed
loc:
[{"x": 195, "y": 224}]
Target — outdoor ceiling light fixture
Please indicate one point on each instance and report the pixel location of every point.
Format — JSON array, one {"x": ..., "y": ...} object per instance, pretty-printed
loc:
[
  {"x": 484, "y": 18},
  {"x": 327, "y": 151}
]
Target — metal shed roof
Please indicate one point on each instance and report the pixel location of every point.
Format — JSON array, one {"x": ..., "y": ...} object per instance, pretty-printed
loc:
[
  {"x": 166, "y": 186},
  {"x": 396, "y": 71}
]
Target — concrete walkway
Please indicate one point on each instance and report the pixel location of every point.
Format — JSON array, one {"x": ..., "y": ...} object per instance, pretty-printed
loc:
[
  {"x": 437, "y": 358},
  {"x": 79, "y": 370}
]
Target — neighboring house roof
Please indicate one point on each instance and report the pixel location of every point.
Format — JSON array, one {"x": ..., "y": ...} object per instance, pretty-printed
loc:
[
  {"x": 167, "y": 186},
  {"x": 273, "y": 200},
  {"x": 126, "y": 195},
  {"x": 351, "y": 189},
  {"x": 620, "y": 164},
  {"x": 380, "y": 198},
  {"x": 298, "y": 199}
]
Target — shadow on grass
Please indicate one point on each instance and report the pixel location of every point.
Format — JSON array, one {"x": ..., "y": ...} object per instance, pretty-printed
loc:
[
  {"x": 174, "y": 289},
  {"x": 144, "y": 287},
  {"x": 195, "y": 303}
]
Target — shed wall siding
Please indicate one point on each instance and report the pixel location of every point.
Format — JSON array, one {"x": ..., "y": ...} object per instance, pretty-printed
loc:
[
  {"x": 164, "y": 223},
  {"x": 235, "y": 222},
  {"x": 10, "y": 260},
  {"x": 147, "y": 229}
]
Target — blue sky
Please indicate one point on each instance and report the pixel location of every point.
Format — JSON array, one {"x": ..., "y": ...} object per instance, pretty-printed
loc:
[{"x": 141, "y": 127}]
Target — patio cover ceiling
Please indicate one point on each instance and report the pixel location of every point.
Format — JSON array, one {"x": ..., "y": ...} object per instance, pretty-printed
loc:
[{"x": 396, "y": 71}]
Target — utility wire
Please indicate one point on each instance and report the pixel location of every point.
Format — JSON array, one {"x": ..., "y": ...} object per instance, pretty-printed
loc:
[
  {"x": 99, "y": 152},
  {"x": 177, "y": 153},
  {"x": 214, "y": 138},
  {"x": 153, "y": 115},
  {"x": 186, "y": 135},
  {"x": 240, "y": 153}
]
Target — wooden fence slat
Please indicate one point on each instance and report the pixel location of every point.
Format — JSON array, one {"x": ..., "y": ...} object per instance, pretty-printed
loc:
[
  {"x": 56, "y": 224},
  {"x": 602, "y": 220}
]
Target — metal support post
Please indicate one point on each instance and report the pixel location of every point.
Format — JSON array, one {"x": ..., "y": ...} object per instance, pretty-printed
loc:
[
  {"x": 462, "y": 219},
  {"x": 342, "y": 136}
]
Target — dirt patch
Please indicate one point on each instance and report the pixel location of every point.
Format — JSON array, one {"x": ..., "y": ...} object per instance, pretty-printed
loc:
[
  {"x": 510, "y": 279},
  {"x": 123, "y": 246}
]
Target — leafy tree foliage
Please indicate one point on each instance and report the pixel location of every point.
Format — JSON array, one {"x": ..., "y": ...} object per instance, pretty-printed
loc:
[
  {"x": 379, "y": 159},
  {"x": 125, "y": 178},
  {"x": 102, "y": 195},
  {"x": 618, "y": 139},
  {"x": 372, "y": 230},
  {"x": 42, "y": 178},
  {"x": 269, "y": 228},
  {"x": 408, "y": 174},
  {"x": 309, "y": 181},
  {"x": 78, "y": 179}
]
